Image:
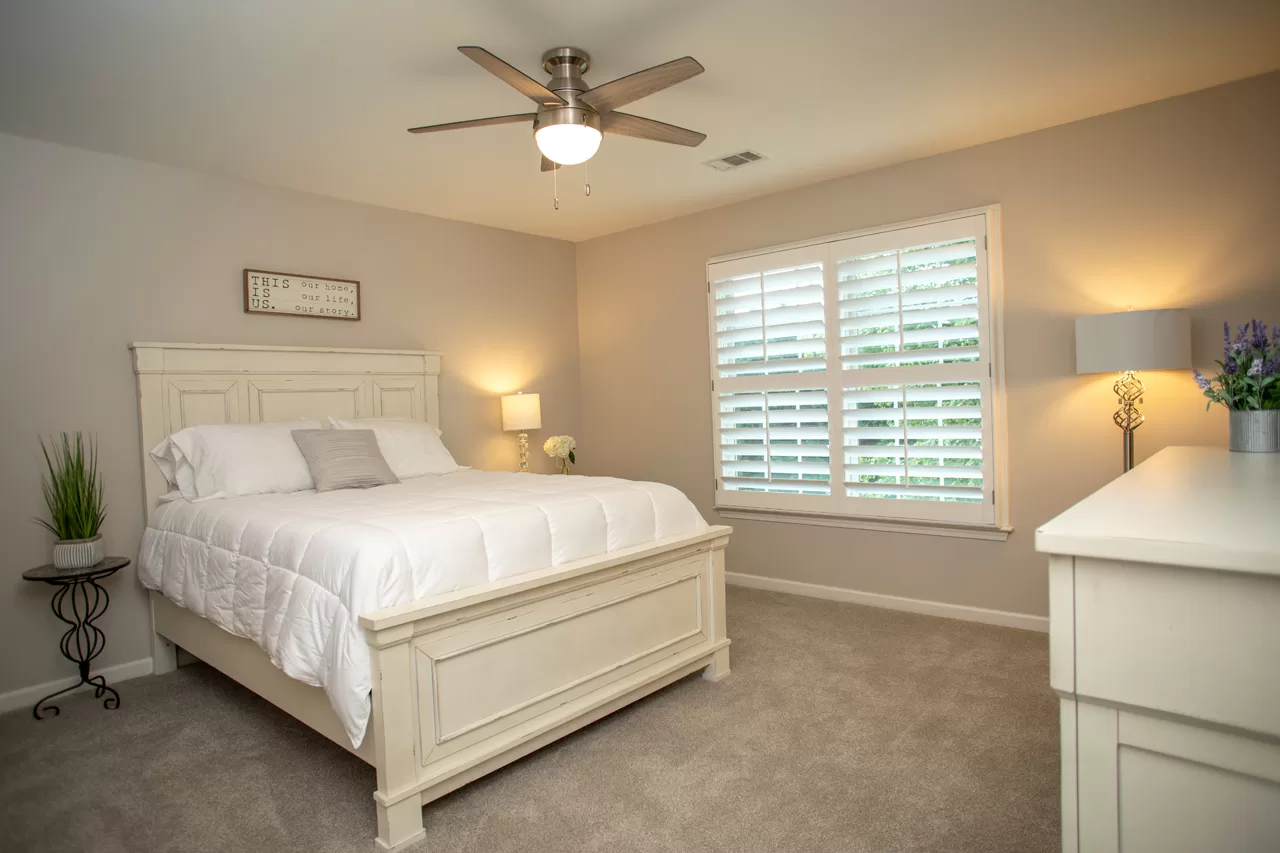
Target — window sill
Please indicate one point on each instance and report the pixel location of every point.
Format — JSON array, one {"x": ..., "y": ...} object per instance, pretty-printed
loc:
[{"x": 884, "y": 525}]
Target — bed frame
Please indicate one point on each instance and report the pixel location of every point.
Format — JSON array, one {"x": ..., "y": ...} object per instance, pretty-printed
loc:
[{"x": 464, "y": 682}]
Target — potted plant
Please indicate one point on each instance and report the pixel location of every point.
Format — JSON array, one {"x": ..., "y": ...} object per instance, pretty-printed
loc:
[
  {"x": 73, "y": 495},
  {"x": 1248, "y": 384}
]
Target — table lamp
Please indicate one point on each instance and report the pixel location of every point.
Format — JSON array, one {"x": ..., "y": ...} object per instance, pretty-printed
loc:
[
  {"x": 1125, "y": 343},
  {"x": 522, "y": 412}
]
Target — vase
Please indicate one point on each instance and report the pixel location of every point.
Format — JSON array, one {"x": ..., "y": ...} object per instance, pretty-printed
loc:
[
  {"x": 1255, "y": 431},
  {"x": 564, "y": 466},
  {"x": 78, "y": 553}
]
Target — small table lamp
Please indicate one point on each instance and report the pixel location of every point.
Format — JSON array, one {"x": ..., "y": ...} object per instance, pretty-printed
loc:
[
  {"x": 1130, "y": 341},
  {"x": 522, "y": 412}
]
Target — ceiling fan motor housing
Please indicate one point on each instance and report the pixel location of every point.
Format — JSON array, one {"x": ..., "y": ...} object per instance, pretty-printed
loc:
[
  {"x": 566, "y": 62},
  {"x": 566, "y": 66}
]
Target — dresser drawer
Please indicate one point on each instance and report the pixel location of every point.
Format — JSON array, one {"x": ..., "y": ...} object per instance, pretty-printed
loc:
[{"x": 1199, "y": 643}]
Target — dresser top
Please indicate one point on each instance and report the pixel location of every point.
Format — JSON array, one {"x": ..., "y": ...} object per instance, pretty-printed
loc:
[{"x": 1186, "y": 506}]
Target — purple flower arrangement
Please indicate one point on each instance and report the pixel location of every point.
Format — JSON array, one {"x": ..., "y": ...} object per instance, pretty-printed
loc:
[{"x": 1250, "y": 369}]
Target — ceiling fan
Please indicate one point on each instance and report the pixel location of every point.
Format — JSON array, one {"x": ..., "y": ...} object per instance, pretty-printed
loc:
[{"x": 572, "y": 116}]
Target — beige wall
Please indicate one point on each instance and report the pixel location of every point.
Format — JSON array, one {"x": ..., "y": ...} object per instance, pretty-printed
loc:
[
  {"x": 1170, "y": 204},
  {"x": 1175, "y": 203},
  {"x": 97, "y": 251}
]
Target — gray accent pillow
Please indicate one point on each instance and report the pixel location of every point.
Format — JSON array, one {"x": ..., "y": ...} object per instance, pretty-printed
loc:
[{"x": 343, "y": 458}]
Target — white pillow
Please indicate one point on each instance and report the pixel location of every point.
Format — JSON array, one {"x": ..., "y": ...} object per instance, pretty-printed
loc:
[
  {"x": 411, "y": 448},
  {"x": 229, "y": 460},
  {"x": 175, "y": 468}
]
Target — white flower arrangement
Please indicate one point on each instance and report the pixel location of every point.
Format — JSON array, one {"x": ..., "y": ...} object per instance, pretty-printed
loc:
[{"x": 561, "y": 447}]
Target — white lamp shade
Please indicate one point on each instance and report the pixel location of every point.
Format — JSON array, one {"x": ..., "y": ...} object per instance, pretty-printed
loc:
[
  {"x": 521, "y": 412},
  {"x": 1133, "y": 340},
  {"x": 567, "y": 144}
]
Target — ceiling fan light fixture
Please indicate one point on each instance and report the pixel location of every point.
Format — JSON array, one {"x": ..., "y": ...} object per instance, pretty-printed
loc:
[
  {"x": 572, "y": 116},
  {"x": 568, "y": 144}
]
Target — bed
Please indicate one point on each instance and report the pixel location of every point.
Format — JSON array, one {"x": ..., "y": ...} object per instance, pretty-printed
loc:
[{"x": 466, "y": 670}]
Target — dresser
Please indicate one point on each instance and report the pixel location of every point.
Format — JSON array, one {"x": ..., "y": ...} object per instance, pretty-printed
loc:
[{"x": 1164, "y": 648}]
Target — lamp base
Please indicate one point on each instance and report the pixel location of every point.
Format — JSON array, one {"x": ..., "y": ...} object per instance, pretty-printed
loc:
[
  {"x": 1129, "y": 390},
  {"x": 524, "y": 452}
]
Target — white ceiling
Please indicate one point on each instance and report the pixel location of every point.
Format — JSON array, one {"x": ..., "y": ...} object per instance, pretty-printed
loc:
[{"x": 315, "y": 95}]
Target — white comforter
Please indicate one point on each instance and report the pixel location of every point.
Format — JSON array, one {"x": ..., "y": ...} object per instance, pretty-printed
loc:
[{"x": 293, "y": 572}]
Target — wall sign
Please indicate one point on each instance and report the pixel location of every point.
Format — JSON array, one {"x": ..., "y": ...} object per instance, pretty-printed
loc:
[{"x": 301, "y": 295}]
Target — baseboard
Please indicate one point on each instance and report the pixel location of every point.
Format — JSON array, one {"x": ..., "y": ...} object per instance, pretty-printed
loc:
[
  {"x": 25, "y": 697},
  {"x": 1025, "y": 621}
]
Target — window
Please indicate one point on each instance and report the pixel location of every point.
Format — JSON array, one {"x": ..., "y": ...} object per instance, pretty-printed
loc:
[{"x": 858, "y": 376}]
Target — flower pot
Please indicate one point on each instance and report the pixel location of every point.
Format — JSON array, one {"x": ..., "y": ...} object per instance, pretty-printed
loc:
[
  {"x": 1255, "y": 431},
  {"x": 78, "y": 553}
]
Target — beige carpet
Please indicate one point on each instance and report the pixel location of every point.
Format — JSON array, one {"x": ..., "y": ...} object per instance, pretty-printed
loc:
[{"x": 842, "y": 728}]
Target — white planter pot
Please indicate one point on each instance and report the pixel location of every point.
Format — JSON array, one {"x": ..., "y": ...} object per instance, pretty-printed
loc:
[
  {"x": 78, "y": 553},
  {"x": 1256, "y": 431}
]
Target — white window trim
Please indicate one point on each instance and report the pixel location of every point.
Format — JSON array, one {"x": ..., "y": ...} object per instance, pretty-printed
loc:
[{"x": 819, "y": 513}]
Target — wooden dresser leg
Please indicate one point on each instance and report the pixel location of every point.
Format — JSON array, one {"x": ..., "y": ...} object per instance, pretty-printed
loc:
[{"x": 400, "y": 825}]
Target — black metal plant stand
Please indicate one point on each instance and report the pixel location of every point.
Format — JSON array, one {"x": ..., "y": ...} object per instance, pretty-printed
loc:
[{"x": 78, "y": 601}]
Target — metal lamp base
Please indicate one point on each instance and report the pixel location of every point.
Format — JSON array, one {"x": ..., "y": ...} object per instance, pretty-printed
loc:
[{"x": 1129, "y": 390}]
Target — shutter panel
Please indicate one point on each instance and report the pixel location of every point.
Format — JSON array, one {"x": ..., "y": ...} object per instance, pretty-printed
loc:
[
  {"x": 914, "y": 442},
  {"x": 775, "y": 441},
  {"x": 917, "y": 305},
  {"x": 770, "y": 322}
]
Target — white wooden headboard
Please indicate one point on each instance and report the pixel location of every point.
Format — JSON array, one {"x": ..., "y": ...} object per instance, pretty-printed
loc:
[{"x": 181, "y": 385}]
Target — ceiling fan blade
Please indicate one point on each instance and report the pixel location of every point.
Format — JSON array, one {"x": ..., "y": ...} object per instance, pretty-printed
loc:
[
  {"x": 646, "y": 128},
  {"x": 475, "y": 122},
  {"x": 513, "y": 77},
  {"x": 624, "y": 90},
  {"x": 548, "y": 165}
]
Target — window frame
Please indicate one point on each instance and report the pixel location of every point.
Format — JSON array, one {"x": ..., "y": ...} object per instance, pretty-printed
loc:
[{"x": 988, "y": 520}]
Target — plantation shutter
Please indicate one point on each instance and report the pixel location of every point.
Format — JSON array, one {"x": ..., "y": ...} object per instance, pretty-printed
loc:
[
  {"x": 878, "y": 346},
  {"x": 769, "y": 335}
]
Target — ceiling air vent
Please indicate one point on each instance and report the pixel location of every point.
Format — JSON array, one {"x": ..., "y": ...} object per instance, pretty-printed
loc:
[{"x": 733, "y": 161}]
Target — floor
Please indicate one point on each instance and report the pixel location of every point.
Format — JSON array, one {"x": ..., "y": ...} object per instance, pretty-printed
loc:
[{"x": 842, "y": 728}]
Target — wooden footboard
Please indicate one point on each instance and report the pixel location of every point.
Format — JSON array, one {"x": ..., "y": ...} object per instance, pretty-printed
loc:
[{"x": 468, "y": 682}]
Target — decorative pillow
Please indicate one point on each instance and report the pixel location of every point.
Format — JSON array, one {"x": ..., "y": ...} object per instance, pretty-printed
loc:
[
  {"x": 343, "y": 459},
  {"x": 229, "y": 460},
  {"x": 411, "y": 448}
]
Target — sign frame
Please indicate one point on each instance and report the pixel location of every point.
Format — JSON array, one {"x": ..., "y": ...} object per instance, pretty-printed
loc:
[{"x": 282, "y": 281}]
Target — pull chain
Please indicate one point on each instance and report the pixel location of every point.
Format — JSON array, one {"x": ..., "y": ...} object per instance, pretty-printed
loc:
[
  {"x": 555, "y": 183},
  {"x": 586, "y": 177}
]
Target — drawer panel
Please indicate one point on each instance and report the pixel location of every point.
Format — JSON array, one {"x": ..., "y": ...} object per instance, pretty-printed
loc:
[
  {"x": 1168, "y": 805},
  {"x": 1198, "y": 643}
]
